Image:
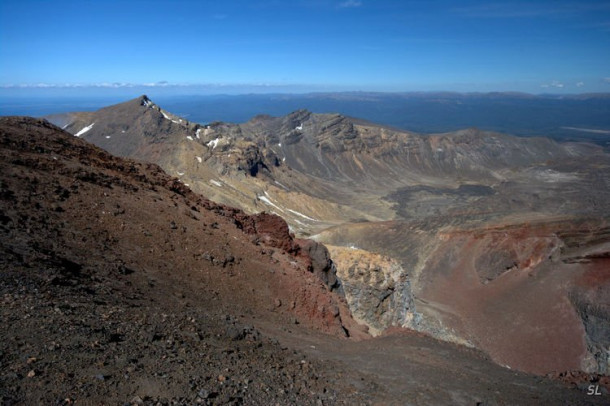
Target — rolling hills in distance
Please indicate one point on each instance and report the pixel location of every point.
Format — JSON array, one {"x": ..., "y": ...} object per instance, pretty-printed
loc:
[{"x": 491, "y": 242}]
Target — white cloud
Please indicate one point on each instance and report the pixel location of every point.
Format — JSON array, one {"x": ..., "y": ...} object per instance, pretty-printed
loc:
[
  {"x": 105, "y": 85},
  {"x": 350, "y": 4},
  {"x": 555, "y": 83},
  {"x": 580, "y": 84},
  {"x": 158, "y": 84}
]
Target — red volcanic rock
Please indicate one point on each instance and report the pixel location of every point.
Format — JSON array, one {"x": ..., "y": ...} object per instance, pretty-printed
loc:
[{"x": 271, "y": 230}]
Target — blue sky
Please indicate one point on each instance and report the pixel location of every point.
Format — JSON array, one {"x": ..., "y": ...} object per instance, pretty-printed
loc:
[{"x": 237, "y": 46}]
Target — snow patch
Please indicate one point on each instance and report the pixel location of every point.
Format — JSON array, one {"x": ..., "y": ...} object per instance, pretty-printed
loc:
[
  {"x": 84, "y": 130},
  {"x": 299, "y": 127},
  {"x": 199, "y": 159},
  {"x": 180, "y": 173},
  {"x": 269, "y": 202},
  {"x": 187, "y": 185},
  {"x": 212, "y": 144},
  {"x": 280, "y": 184},
  {"x": 197, "y": 133},
  {"x": 284, "y": 159},
  {"x": 215, "y": 183},
  {"x": 188, "y": 137},
  {"x": 551, "y": 176},
  {"x": 107, "y": 137},
  {"x": 302, "y": 215},
  {"x": 300, "y": 222},
  {"x": 279, "y": 145},
  {"x": 169, "y": 118},
  {"x": 123, "y": 131}
]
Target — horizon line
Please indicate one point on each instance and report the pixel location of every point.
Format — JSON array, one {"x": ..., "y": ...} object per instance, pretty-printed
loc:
[{"x": 286, "y": 91}]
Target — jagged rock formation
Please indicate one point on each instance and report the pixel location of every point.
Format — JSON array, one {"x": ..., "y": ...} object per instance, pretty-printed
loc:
[
  {"x": 377, "y": 289},
  {"x": 462, "y": 214}
]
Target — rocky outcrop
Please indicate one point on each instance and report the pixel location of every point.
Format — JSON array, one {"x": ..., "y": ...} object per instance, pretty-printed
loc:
[
  {"x": 273, "y": 231},
  {"x": 319, "y": 262},
  {"x": 377, "y": 289}
]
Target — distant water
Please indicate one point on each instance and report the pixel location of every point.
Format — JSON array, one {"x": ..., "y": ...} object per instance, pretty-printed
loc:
[
  {"x": 38, "y": 107},
  {"x": 565, "y": 118}
]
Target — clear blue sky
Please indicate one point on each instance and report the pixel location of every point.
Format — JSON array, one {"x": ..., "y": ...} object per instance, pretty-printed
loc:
[{"x": 249, "y": 45}]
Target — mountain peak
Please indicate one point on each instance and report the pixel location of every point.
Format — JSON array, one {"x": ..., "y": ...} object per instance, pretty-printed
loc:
[
  {"x": 144, "y": 101},
  {"x": 301, "y": 113}
]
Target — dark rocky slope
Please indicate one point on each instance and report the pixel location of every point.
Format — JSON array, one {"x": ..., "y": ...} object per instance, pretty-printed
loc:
[{"x": 117, "y": 281}]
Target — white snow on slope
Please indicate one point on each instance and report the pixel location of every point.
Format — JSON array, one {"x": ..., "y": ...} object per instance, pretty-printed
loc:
[
  {"x": 213, "y": 143},
  {"x": 188, "y": 137},
  {"x": 299, "y": 127},
  {"x": 269, "y": 202},
  {"x": 199, "y": 159},
  {"x": 169, "y": 118},
  {"x": 299, "y": 222},
  {"x": 215, "y": 182},
  {"x": 197, "y": 133},
  {"x": 281, "y": 184},
  {"x": 302, "y": 215},
  {"x": 84, "y": 130}
]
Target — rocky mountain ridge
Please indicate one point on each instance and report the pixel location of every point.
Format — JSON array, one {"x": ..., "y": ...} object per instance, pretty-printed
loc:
[
  {"x": 121, "y": 285},
  {"x": 426, "y": 203}
]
